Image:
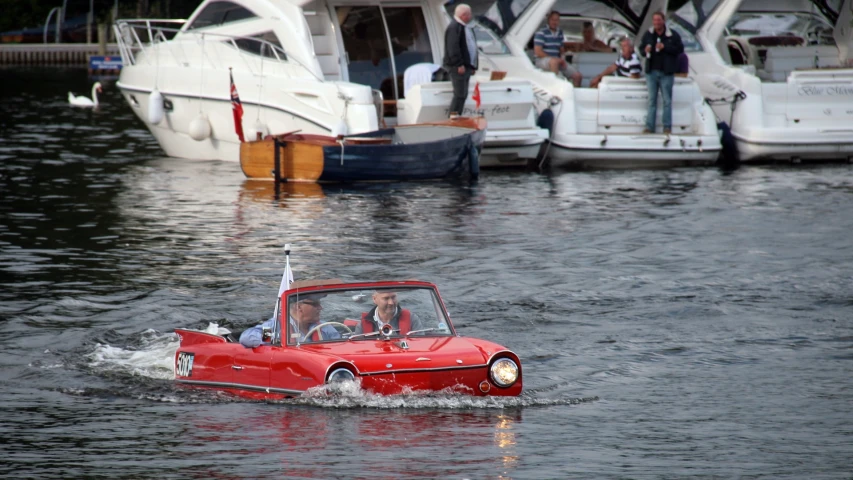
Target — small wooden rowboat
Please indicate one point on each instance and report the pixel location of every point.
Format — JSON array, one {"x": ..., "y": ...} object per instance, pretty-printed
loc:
[{"x": 410, "y": 152}]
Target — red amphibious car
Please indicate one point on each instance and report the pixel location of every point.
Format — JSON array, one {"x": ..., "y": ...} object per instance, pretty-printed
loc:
[{"x": 416, "y": 350}]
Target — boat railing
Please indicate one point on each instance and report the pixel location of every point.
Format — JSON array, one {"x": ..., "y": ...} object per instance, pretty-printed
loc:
[{"x": 136, "y": 36}]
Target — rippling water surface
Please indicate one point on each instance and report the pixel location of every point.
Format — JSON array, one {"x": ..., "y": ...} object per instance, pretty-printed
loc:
[{"x": 671, "y": 323}]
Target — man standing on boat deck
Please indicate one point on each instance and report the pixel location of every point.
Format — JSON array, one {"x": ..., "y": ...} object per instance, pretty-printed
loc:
[
  {"x": 460, "y": 56},
  {"x": 661, "y": 45}
]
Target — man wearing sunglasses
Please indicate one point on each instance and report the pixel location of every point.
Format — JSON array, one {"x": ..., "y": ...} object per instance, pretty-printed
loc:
[{"x": 304, "y": 315}]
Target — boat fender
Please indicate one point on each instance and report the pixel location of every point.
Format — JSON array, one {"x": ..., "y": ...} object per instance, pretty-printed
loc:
[
  {"x": 200, "y": 127},
  {"x": 155, "y": 107},
  {"x": 473, "y": 161},
  {"x": 729, "y": 154},
  {"x": 340, "y": 129},
  {"x": 546, "y": 120}
]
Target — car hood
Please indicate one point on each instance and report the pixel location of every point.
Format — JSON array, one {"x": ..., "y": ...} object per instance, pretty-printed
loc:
[{"x": 372, "y": 356}]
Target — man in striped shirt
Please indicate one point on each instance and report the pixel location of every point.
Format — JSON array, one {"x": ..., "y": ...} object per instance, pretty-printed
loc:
[
  {"x": 549, "y": 51},
  {"x": 627, "y": 64}
]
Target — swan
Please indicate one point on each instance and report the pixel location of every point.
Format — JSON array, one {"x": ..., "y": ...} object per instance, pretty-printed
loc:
[{"x": 86, "y": 102}]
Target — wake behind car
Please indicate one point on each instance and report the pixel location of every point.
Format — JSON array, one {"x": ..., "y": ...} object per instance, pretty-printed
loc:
[{"x": 325, "y": 332}]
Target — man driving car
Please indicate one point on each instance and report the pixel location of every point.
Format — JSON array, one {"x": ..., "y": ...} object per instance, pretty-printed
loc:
[{"x": 304, "y": 315}]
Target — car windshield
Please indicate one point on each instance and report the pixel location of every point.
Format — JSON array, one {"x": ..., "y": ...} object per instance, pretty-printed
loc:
[{"x": 360, "y": 314}]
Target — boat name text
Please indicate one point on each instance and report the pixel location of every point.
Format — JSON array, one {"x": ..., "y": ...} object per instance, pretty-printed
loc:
[
  {"x": 495, "y": 111},
  {"x": 831, "y": 91}
]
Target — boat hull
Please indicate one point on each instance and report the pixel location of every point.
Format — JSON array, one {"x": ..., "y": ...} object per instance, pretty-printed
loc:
[
  {"x": 447, "y": 152},
  {"x": 634, "y": 151}
]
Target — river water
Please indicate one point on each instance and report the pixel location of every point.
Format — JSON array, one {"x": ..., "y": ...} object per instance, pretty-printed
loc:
[{"x": 671, "y": 323}]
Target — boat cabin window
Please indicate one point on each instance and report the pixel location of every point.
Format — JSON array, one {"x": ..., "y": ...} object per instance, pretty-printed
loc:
[
  {"x": 379, "y": 56},
  {"x": 351, "y": 315},
  {"x": 219, "y": 13},
  {"x": 264, "y": 44}
]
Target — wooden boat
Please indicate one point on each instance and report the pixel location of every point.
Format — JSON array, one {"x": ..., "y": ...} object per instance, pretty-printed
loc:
[{"x": 409, "y": 152}]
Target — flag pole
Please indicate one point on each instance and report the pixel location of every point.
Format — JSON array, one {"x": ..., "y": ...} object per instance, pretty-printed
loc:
[{"x": 286, "y": 278}]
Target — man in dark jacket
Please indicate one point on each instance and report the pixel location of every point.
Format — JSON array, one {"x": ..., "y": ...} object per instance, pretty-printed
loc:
[
  {"x": 460, "y": 56},
  {"x": 661, "y": 45}
]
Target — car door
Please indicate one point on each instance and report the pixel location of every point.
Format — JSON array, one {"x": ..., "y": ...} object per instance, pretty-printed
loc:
[
  {"x": 251, "y": 367},
  {"x": 295, "y": 369}
]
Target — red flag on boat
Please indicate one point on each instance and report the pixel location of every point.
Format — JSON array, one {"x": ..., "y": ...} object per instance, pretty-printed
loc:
[
  {"x": 476, "y": 96},
  {"x": 237, "y": 108}
]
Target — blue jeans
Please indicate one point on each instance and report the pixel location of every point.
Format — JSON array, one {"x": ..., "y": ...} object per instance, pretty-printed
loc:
[{"x": 654, "y": 80}]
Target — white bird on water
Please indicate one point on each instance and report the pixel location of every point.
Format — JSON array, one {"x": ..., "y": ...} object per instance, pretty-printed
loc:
[{"x": 83, "y": 101}]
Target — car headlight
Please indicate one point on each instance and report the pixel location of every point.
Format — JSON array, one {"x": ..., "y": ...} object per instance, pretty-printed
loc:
[
  {"x": 504, "y": 372},
  {"x": 341, "y": 375}
]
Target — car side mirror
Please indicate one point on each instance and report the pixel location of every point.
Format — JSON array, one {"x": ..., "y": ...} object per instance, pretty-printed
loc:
[{"x": 266, "y": 336}]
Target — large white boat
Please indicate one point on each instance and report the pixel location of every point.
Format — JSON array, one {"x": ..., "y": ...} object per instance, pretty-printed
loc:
[
  {"x": 596, "y": 126},
  {"x": 779, "y": 72},
  {"x": 316, "y": 66}
]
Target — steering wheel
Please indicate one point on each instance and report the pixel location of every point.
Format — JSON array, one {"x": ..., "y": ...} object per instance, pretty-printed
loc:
[{"x": 320, "y": 325}]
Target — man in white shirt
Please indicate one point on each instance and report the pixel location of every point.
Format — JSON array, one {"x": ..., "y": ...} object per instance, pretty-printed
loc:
[{"x": 627, "y": 64}]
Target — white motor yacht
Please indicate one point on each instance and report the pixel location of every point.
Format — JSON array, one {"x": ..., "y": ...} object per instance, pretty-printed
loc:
[
  {"x": 779, "y": 73},
  {"x": 326, "y": 67},
  {"x": 598, "y": 127}
]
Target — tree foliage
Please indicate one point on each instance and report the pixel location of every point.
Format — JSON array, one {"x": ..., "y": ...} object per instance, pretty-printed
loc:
[{"x": 20, "y": 14}]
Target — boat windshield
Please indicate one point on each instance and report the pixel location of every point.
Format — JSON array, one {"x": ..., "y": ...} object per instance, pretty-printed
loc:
[
  {"x": 488, "y": 41},
  {"x": 687, "y": 17},
  {"x": 760, "y": 17},
  {"x": 629, "y": 13},
  {"x": 495, "y": 15},
  {"x": 360, "y": 314},
  {"x": 499, "y": 16},
  {"x": 804, "y": 25}
]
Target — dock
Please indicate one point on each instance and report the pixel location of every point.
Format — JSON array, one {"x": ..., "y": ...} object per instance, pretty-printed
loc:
[{"x": 54, "y": 54}]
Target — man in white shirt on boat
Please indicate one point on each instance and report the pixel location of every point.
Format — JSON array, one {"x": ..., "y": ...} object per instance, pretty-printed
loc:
[
  {"x": 627, "y": 64},
  {"x": 304, "y": 315}
]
